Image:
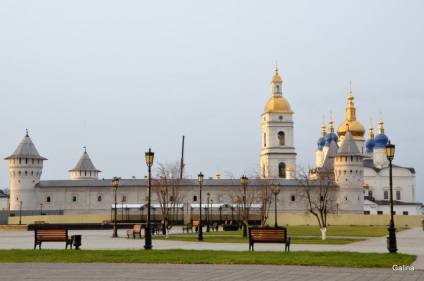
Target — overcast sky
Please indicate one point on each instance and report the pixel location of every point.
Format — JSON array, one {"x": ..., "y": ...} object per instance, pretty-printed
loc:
[{"x": 121, "y": 76}]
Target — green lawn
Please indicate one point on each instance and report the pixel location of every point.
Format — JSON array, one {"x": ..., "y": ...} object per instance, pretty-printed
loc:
[
  {"x": 337, "y": 259},
  {"x": 336, "y": 235}
]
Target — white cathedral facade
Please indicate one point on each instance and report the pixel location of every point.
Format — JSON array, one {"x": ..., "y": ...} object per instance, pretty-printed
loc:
[{"x": 360, "y": 169}]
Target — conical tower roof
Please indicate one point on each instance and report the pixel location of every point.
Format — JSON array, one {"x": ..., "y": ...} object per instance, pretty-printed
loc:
[
  {"x": 84, "y": 164},
  {"x": 349, "y": 147},
  {"x": 26, "y": 149}
]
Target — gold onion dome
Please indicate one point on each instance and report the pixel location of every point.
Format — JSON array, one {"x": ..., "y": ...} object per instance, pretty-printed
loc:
[
  {"x": 351, "y": 124},
  {"x": 365, "y": 186},
  {"x": 277, "y": 103}
]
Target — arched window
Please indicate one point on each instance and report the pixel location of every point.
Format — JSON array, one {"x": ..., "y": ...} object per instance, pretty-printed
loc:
[
  {"x": 282, "y": 170},
  {"x": 124, "y": 198},
  {"x": 277, "y": 88},
  {"x": 281, "y": 138},
  {"x": 398, "y": 195},
  {"x": 195, "y": 198},
  {"x": 264, "y": 139},
  {"x": 293, "y": 198},
  {"x": 99, "y": 199},
  {"x": 48, "y": 199},
  {"x": 74, "y": 198}
]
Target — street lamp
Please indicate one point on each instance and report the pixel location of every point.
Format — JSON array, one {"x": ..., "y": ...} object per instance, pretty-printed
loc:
[
  {"x": 41, "y": 209},
  {"x": 148, "y": 232},
  {"x": 275, "y": 190},
  {"x": 391, "y": 242},
  {"x": 115, "y": 182},
  {"x": 244, "y": 181},
  {"x": 210, "y": 217},
  {"x": 20, "y": 213},
  {"x": 208, "y": 196},
  {"x": 200, "y": 180}
]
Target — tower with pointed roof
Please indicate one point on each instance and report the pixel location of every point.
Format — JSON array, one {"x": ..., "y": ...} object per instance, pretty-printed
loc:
[
  {"x": 278, "y": 152},
  {"x": 349, "y": 173},
  {"x": 84, "y": 170},
  {"x": 25, "y": 168}
]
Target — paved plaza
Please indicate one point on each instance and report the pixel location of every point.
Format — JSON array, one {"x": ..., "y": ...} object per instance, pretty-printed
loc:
[{"x": 409, "y": 242}]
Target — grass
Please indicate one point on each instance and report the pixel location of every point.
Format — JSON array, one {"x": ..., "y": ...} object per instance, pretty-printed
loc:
[
  {"x": 336, "y": 235},
  {"x": 335, "y": 259}
]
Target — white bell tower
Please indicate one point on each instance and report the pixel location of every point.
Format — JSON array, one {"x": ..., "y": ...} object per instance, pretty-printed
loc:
[{"x": 278, "y": 156}]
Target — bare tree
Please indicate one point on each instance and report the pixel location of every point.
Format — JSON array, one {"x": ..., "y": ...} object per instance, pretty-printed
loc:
[
  {"x": 5, "y": 191},
  {"x": 171, "y": 190},
  {"x": 318, "y": 194},
  {"x": 263, "y": 194}
]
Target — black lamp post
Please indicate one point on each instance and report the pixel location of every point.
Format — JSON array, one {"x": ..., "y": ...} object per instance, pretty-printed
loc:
[
  {"x": 208, "y": 196},
  {"x": 148, "y": 232},
  {"x": 275, "y": 190},
  {"x": 210, "y": 217},
  {"x": 200, "y": 180},
  {"x": 115, "y": 182},
  {"x": 391, "y": 243},
  {"x": 20, "y": 213},
  {"x": 244, "y": 181},
  {"x": 41, "y": 209}
]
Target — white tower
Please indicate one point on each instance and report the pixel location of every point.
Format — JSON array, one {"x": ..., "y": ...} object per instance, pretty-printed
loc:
[
  {"x": 278, "y": 153},
  {"x": 25, "y": 168},
  {"x": 349, "y": 172},
  {"x": 84, "y": 170}
]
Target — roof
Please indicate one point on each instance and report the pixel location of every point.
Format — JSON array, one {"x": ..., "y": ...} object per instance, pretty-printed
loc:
[
  {"x": 143, "y": 182},
  {"x": 26, "y": 149},
  {"x": 84, "y": 164},
  {"x": 349, "y": 147},
  {"x": 370, "y": 164},
  {"x": 395, "y": 202}
]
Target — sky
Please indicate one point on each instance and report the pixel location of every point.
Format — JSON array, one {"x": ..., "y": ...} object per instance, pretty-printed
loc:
[{"x": 120, "y": 77}]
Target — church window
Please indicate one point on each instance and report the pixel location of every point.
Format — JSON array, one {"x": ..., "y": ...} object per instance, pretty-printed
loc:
[
  {"x": 85, "y": 173},
  {"x": 20, "y": 160},
  {"x": 124, "y": 198},
  {"x": 281, "y": 138},
  {"x": 48, "y": 199},
  {"x": 405, "y": 213},
  {"x": 194, "y": 198},
  {"x": 398, "y": 195},
  {"x": 370, "y": 193},
  {"x": 264, "y": 139},
  {"x": 74, "y": 198},
  {"x": 282, "y": 170},
  {"x": 26, "y": 160},
  {"x": 277, "y": 88},
  {"x": 293, "y": 198},
  {"x": 351, "y": 158},
  {"x": 386, "y": 195},
  {"x": 99, "y": 199}
]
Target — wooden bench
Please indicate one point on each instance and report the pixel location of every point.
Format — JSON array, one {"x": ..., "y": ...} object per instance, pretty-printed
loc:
[
  {"x": 188, "y": 227},
  {"x": 135, "y": 231},
  {"x": 196, "y": 225},
  {"x": 268, "y": 235},
  {"x": 51, "y": 235}
]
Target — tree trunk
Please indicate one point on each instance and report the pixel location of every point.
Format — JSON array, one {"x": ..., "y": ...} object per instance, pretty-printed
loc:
[{"x": 324, "y": 233}]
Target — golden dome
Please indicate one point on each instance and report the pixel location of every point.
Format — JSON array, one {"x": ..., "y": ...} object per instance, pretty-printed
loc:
[
  {"x": 290, "y": 168},
  {"x": 365, "y": 186},
  {"x": 277, "y": 104},
  {"x": 351, "y": 124},
  {"x": 276, "y": 78}
]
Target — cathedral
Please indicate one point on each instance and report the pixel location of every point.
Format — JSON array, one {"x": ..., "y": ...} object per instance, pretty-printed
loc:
[{"x": 360, "y": 170}]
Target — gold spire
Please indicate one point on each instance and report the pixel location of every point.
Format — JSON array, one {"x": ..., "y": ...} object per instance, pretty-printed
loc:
[
  {"x": 380, "y": 124},
  {"x": 323, "y": 127},
  {"x": 371, "y": 129},
  {"x": 330, "y": 123},
  {"x": 351, "y": 124},
  {"x": 276, "y": 78}
]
